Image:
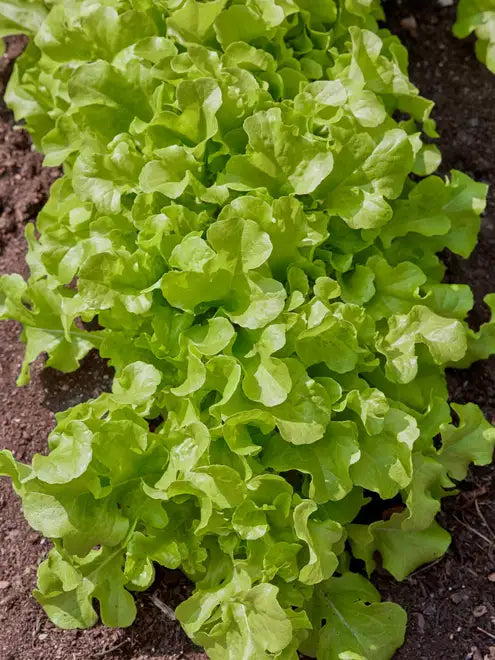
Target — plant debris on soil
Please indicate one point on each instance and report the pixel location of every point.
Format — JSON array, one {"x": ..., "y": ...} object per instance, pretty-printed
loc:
[{"x": 450, "y": 603}]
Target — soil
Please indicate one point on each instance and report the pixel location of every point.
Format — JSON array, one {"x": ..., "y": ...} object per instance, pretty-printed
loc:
[{"x": 451, "y": 603}]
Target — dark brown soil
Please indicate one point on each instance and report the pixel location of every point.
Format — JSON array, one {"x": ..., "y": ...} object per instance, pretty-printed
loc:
[{"x": 451, "y": 603}]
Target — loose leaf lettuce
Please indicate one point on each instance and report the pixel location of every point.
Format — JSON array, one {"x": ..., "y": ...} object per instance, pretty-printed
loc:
[{"x": 478, "y": 16}]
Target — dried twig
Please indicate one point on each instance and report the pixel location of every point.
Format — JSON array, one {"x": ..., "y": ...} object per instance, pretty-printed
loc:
[
  {"x": 37, "y": 626},
  {"x": 474, "y": 531},
  {"x": 472, "y": 495},
  {"x": 168, "y": 611},
  {"x": 426, "y": 568},
  {"x": 486, "y": 632},
  {"x": 484, "y": 520},
  {"x": 112, "y": 648}
]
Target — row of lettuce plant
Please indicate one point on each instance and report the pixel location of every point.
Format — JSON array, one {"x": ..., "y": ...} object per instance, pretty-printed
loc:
[{"x": 250, "y": 212}]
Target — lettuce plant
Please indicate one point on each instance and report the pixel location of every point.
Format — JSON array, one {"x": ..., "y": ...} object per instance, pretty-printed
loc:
[
  {"x": 237, "y": 212},
  {"x": 478, "y": 16}
]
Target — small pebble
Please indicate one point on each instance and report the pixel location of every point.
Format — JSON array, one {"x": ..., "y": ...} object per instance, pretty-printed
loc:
[
  {"x": 409, "y": 23},
  {"x": 457, "y": 598},
  {"x": 4, "y": 584},
  {"x": 480, "y": 610}
]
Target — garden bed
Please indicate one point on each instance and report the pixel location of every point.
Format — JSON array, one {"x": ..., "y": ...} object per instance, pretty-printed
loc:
[{"x": 450, "y": 604}]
